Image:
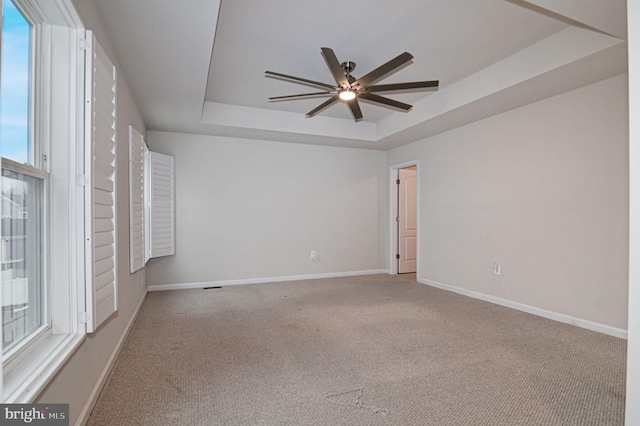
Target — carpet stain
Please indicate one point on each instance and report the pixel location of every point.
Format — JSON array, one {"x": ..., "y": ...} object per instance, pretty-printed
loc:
[{"x": 353, "y": 398}]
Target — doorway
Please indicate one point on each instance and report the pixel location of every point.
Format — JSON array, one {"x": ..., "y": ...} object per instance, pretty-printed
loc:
[{"x": 405, "y": 219}]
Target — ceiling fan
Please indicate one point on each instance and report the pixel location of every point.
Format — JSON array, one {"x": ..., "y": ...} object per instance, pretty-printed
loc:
[{"x": 349, "y": 89}]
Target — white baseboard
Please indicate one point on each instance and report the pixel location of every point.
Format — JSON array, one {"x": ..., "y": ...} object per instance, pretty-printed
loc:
[
  {"x": 102, "y": 380},
  {"x": 567, "y": 319},
  {"x": 222, "y": 283}
]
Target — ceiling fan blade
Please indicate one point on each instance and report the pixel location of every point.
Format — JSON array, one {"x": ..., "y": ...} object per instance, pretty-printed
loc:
[
  {"x": 402, "y": 86},
  {"x": 304, "y": 80},
  {"x": 355, "y": 109},
  {"x": 322, "y": 106},
  {"x": 334, "y": 66},
  {"x": 382, "y": 100},
  {"x": 384, "y": 69},
  {"x": 301, "y": 95}
]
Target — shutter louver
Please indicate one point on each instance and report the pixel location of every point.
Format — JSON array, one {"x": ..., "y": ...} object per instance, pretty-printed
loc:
[
  {"x": 137, "y": 153},
  {"x": 100, "y": 169},
  {"x": 162, "y": 206}
]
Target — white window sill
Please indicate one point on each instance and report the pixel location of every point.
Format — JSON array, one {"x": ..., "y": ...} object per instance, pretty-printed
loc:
[{"x": 25, "y": 381}]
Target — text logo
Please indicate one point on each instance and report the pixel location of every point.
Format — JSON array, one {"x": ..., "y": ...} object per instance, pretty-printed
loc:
[{"x": 35, "y": 414}]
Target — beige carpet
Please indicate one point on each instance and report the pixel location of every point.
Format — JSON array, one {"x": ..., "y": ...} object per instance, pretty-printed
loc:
[{"x": 372, "y": 350}]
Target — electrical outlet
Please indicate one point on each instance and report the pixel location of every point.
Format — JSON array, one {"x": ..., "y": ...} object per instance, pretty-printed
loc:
[
  {"x": 497, "y": 269},
  {"x": 314, "y": 255}
]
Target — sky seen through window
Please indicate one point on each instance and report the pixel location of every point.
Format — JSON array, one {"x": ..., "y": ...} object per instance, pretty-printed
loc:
[{"x": 15, "y": 85}]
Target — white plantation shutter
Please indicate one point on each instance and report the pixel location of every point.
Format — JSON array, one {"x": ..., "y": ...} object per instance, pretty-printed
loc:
[
  {"x": 161, "y": 177},
  {"x": 137, "y": 154},
  {"x": 100, "y": 186}
]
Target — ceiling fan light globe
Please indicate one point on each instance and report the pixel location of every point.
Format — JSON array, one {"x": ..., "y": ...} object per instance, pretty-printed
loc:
[{"x": 347, "y": 95}]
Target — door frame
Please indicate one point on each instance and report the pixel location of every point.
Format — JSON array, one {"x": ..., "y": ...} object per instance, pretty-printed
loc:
[{"x": 393, "y": 206}]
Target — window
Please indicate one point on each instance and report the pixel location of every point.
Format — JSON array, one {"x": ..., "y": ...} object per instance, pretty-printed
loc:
[
  {"x": 58, "y": 162},
  {"x": 23, "y": 190},
  {"x": 58, "y": 199}
]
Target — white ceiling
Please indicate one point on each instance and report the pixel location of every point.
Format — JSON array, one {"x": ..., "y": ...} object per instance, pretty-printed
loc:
[{"x": 199, "y": 67}]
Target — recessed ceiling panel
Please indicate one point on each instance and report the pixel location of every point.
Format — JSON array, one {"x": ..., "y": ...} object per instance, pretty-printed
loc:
[{"x": 448, "y": 39}]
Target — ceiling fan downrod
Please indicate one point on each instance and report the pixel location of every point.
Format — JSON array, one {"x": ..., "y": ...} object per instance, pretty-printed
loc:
[{"x": 348, "y": 67}]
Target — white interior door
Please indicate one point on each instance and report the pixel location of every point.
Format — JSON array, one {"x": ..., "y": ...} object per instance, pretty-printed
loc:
[{"x": 407, "y": 220}]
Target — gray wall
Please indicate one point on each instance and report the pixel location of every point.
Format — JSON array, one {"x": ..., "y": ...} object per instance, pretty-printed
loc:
[
  {"x": 542, "y": 190},
  {"x": 250, "y": 209},
  {"x": 76, "y": 382}
]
